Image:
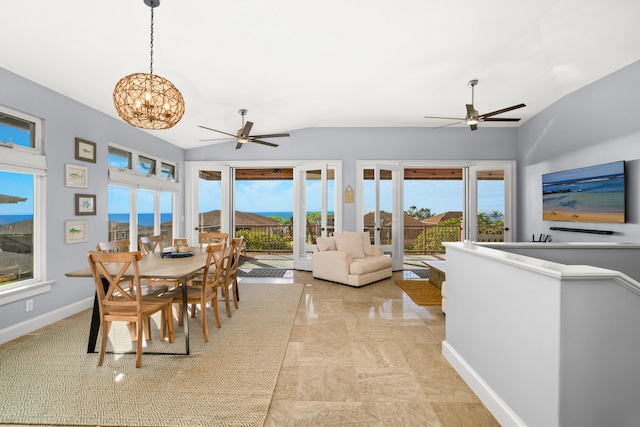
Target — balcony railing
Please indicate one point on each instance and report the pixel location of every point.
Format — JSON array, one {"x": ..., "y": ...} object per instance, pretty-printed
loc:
[{"x": 418, "y": 240}]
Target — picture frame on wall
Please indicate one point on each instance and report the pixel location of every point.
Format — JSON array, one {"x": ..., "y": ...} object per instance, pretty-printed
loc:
[
  {"x": 85, "y": 150},
  {"x": 76, "y": 176},
  {"x": 76, "y": 231},
  {"x": 85, "y": 204}
]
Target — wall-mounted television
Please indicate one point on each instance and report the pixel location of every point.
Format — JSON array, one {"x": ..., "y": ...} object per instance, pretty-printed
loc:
[{"x": 589, "y": 194}]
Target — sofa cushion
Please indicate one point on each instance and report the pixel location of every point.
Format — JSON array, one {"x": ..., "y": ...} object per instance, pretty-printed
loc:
[
  {"x": 350, "y": 242},
  {"x": 326, "y": 244},
  {"x": 369, "y": 264}
]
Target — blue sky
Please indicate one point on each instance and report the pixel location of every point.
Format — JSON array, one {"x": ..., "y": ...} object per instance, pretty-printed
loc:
[{"x": 277, "y": 196}]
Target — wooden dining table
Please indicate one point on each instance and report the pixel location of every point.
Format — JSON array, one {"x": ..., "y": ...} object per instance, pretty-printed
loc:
[{"x": 155, "y": 266}]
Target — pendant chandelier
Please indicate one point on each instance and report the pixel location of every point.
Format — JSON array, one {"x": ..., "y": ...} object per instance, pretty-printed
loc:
[{"x": 146, "y": 100}]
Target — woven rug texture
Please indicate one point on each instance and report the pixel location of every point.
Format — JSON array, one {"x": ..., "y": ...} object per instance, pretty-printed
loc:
[
  {"x": 262, "y": 272},
  {"x": 422, "y": 292},
  {"x": 228, "y": 381}
]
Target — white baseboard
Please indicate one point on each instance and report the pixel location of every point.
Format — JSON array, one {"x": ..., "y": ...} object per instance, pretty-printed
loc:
[
  {"x": 498, "y": 408},
  {"x": 28, "y": 326}
]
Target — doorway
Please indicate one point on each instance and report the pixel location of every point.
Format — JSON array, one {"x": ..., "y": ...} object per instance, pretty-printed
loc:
[{"x": 269, "y": 205}]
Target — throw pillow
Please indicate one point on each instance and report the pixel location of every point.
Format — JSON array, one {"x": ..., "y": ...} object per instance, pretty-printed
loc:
[
  {"x": 350, "y": 242},
  {"x": 326, "y": 244},
  {"x": 366, "y": 243}
]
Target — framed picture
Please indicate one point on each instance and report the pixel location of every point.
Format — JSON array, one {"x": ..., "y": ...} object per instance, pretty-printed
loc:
[
  {"x": 85, "y": 150},
  {"x": 76, "y": 176},
  {"x": 85, "y": 204},
  {"x": 76, "y": 231}
]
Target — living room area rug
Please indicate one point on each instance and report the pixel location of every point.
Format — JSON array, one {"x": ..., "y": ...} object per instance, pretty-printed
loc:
[
  {"x": 422, "y": 292},
  {"x": 49, "y": 379}
]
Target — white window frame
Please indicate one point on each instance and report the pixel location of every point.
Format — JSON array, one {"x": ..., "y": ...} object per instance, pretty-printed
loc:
[
  {"x": 27, "y": 160},
  {"x": 132, "y": 176},
  {"x": 135, "y": 180}
]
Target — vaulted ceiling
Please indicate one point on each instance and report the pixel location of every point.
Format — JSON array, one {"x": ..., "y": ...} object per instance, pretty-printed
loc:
[{"x": 338, "y": 63}]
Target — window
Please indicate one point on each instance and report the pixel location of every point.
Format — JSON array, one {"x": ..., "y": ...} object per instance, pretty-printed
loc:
[
  {"x": 22, "y": 237},
  {"x": 168, "y": 171},
  {"x": 119, "y": 158},
  {"x": 141, "y": 201},
  {"x": 126, "y": 160},
  {"x": 16, "y": 131},
  {"x": 146, "y": 165}
]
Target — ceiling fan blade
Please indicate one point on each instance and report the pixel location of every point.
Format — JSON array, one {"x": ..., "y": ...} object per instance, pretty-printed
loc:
[
  {"x": 473, "y": 127},
  {"x": 239, "y": 145},
  {"x": 257, "y": 141},
  {"x": 271, "y": 135},
  {"x": 214, "y": 139},
  {"x": 443, "y": 118},
  {"x": 450, "y": 124},
  {"x": 246, "y": 130},
  {"x": 504, "y": 110},
  {"x": 219, "y": 131},
  {"x": 498, "y": 119}
]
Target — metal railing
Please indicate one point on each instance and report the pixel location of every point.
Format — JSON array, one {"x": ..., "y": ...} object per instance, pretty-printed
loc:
[{"x": 417, "y": 239}]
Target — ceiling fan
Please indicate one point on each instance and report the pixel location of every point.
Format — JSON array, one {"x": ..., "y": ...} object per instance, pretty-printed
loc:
[
  {"x": 472, "y": 118},
  {"x": 243, "y": 134}
]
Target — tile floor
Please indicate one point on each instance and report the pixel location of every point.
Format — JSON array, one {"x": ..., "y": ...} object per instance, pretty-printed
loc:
[{"x": 369, "y": 356}]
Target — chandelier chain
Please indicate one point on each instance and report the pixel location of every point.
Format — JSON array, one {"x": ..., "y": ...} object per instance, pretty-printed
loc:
[{"x": 151, "y": 45}]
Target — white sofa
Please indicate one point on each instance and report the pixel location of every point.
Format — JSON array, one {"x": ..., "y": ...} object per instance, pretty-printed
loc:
[{"x": 350, "y": 259}]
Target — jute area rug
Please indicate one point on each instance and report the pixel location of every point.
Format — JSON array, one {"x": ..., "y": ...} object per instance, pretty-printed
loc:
[
  {"x": 422, "y": 292},
  {"x": 229, "y": 381}
]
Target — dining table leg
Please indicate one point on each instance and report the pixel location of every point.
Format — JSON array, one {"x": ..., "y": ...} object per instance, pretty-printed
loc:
[
  {"x": 95, "y": 320},
  {"x": 185, "y": 313}
]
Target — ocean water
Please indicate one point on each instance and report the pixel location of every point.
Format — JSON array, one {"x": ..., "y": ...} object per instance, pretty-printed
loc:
[
  {"x": 10, "y": 219},
  {"x": 145, "y": 219},
  {"x": 604, "y": 194}
]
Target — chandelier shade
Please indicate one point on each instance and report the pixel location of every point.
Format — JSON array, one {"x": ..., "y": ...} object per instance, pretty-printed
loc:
[{"x": 148, "y": 101}]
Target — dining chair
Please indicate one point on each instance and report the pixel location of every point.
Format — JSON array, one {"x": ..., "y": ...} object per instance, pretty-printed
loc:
[
  {"x": 116, "y": 246},
  {"x": 127, "y": 304},
  {"x": 228, "y": 282},
  {"x": 208, "y": 238},
  {"x": 149, "y": 286},
  {"x": 150, "y": 244},
  {"x": 203, "y": 289}
]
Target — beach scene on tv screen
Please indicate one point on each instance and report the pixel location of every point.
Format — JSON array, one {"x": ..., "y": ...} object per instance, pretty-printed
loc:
[{"x": 590, "y": 194}]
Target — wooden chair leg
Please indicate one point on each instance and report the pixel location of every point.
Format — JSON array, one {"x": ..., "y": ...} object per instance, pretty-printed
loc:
[
  {"x": 235, "y": 293},
  {"x": 214, "y": 304},
  {"x": 169, "y": 317},
  {"x": 203, "y": 321},
  {"x": 139, "y": 344},
  {"x": 104, "y": 332}
]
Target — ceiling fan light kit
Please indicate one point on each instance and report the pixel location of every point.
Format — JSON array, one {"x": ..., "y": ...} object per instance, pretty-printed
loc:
[
  {"x": 472, "y": 117},
  {"x": 146, "y": 100}
]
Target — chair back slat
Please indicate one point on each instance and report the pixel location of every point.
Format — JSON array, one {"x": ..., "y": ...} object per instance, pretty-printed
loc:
[
  {"x": 116, "y": 246},
  {"x": 113, "y": 267},
  {"x": 209, "y": 238},
  {"x": 150, "y": 244},
  {"x": 212, "y": 267}
]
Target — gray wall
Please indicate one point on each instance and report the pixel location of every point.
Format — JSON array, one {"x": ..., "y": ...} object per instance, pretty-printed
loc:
[
  {"x": 596, "y": 124},
  {"x": 64, "y": 120},
  {"x": 352, "y": 144}
]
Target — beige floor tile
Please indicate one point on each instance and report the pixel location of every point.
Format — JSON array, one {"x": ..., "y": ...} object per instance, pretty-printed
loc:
[
  {"x": 330, "y": 414},
  {"x": 287, "y": 385},
  {"x": 328, "y": 383},
  {"x": 384, "y": 414},
  {"x": 378, "y": 354},
  {"x": 464, "y": 415},
  {"x": 389, "y": 385}
]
